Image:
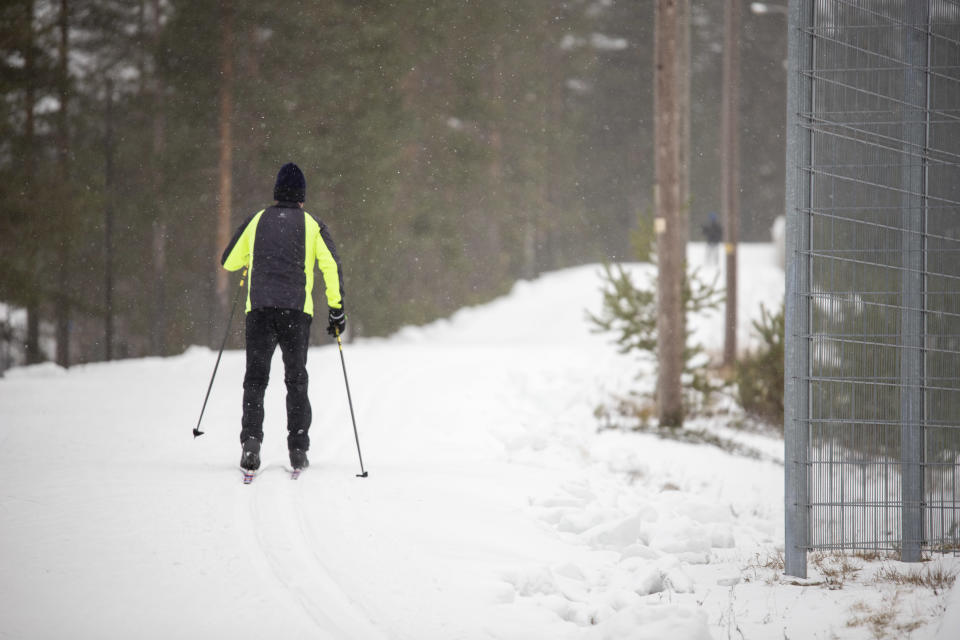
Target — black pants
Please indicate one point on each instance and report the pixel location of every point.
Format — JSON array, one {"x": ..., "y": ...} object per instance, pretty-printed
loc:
[{"x": 266, "y": 328}]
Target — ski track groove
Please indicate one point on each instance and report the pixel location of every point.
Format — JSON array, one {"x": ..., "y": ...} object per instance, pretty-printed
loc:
[
  {"x": 283, "y": 555},
  {"x": 251, "y": 539},
  {"x": 307, "y": 533}
]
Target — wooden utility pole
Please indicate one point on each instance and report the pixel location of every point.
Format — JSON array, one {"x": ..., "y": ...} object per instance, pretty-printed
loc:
[
  {"x": 683, "y": 97},
  {"x": 730, "y": 171},
  {"x": 226, "y": 150},
  {"x": 683, "y": 93},
  {"x": 669, "y": 211}
]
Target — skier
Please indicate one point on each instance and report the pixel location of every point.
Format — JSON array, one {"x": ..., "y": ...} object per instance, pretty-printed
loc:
[
  {"x": 280, "y": 245},
  {"x": 713, "y": 232}
]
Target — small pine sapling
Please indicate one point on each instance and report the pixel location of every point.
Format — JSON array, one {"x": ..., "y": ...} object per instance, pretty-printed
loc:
[
  {"x": 759, "y": 374},
  {"x": 630, "y": 313}
]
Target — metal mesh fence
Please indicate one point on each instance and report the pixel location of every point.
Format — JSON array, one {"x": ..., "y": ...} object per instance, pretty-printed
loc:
[{"x": 873, "y": 280}]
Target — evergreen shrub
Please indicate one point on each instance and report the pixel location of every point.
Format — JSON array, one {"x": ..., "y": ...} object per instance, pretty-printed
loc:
[{"x": 759, "y": 374}]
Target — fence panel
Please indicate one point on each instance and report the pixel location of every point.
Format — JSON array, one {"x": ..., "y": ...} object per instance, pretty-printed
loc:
[{"x": 873, "y": 277}]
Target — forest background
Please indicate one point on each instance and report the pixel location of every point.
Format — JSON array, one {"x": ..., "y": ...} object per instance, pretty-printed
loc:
[{"x": 452, "y": 147}]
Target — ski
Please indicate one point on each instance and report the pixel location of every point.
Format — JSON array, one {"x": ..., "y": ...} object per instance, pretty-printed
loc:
[
  {"x": 248, "y": 475},
  {"x": 295, "y": 473}
]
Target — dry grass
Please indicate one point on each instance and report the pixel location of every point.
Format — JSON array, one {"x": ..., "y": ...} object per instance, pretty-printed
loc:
[
  {"x": 870, "y": 555},
  {"x": 767, "y": 568},
  {"x": 882, "y": 621},
  {"x": 937, "y": 579},
  {"x": 885, "y": 620},
  {"x": 773, "y": 560},
  {"x": 947, "y": 546},
  {"x": 835, "y": 568}
]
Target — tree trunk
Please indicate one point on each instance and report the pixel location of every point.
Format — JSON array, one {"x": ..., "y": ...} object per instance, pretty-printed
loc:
[
  {"x": 226, "y": 150},
  {"x": 108, "y": 228},
  {"x": 63, "y": 170},
  {"x": 29, "y": 162},
  {"x": 158, "y": 327},
  {"x": 730, "y": 172},
  {"x": 670, "y": 258},
  {"x": 495, "y": 196}
]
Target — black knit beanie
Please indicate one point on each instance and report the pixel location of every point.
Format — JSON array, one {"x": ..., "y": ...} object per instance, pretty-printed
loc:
[{"x": 291, "y": 186}]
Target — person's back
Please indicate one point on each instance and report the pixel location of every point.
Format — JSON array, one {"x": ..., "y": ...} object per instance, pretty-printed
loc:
[
  {"x": 280, "y": 259},
  {"x": 281, "y": 244}
]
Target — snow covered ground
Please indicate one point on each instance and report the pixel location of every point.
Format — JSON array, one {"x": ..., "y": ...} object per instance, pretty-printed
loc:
[{"x": 494, "y": 507}]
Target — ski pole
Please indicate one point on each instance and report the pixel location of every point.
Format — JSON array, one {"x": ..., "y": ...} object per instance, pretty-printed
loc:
[
  {"x": 236, "y": 298},
  {"x": 363, "y": 473}
]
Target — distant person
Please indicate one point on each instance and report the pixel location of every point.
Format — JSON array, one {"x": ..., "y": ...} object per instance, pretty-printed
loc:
[
  {"x": 713, "y": 232},
  {"x": 280, "y": 245}
]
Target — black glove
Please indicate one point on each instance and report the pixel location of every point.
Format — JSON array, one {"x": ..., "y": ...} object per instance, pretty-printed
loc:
[{"x": 337, "y": 321}]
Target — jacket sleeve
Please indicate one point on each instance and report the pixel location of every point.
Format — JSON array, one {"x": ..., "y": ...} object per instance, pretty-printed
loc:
[
  {"x": 237, "y": 253},
  {"x": 329, "y": 263}
]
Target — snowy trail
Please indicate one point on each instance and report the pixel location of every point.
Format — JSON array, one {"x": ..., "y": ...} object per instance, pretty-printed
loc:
[
  {"x": 493, "y": 509},
  {"x": 278, "y": 543}
]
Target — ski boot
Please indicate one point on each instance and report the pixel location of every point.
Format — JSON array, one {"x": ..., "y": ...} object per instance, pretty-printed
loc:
[
  {"x": 250, "y": 459},
  {"x": 298, "y": 459}
]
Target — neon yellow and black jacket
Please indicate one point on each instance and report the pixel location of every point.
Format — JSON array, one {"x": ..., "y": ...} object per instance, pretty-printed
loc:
[{"x": 280, "y": 245}]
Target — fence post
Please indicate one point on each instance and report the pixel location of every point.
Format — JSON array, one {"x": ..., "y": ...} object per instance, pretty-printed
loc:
[
  {"x": 916, "y": 102},
  {"x": 797, "y": 298}
]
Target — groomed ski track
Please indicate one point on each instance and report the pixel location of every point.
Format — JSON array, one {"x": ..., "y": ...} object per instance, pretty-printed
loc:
[
  {"x": 277, "y": 538},
  {"x": 118, "y": 523}
]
